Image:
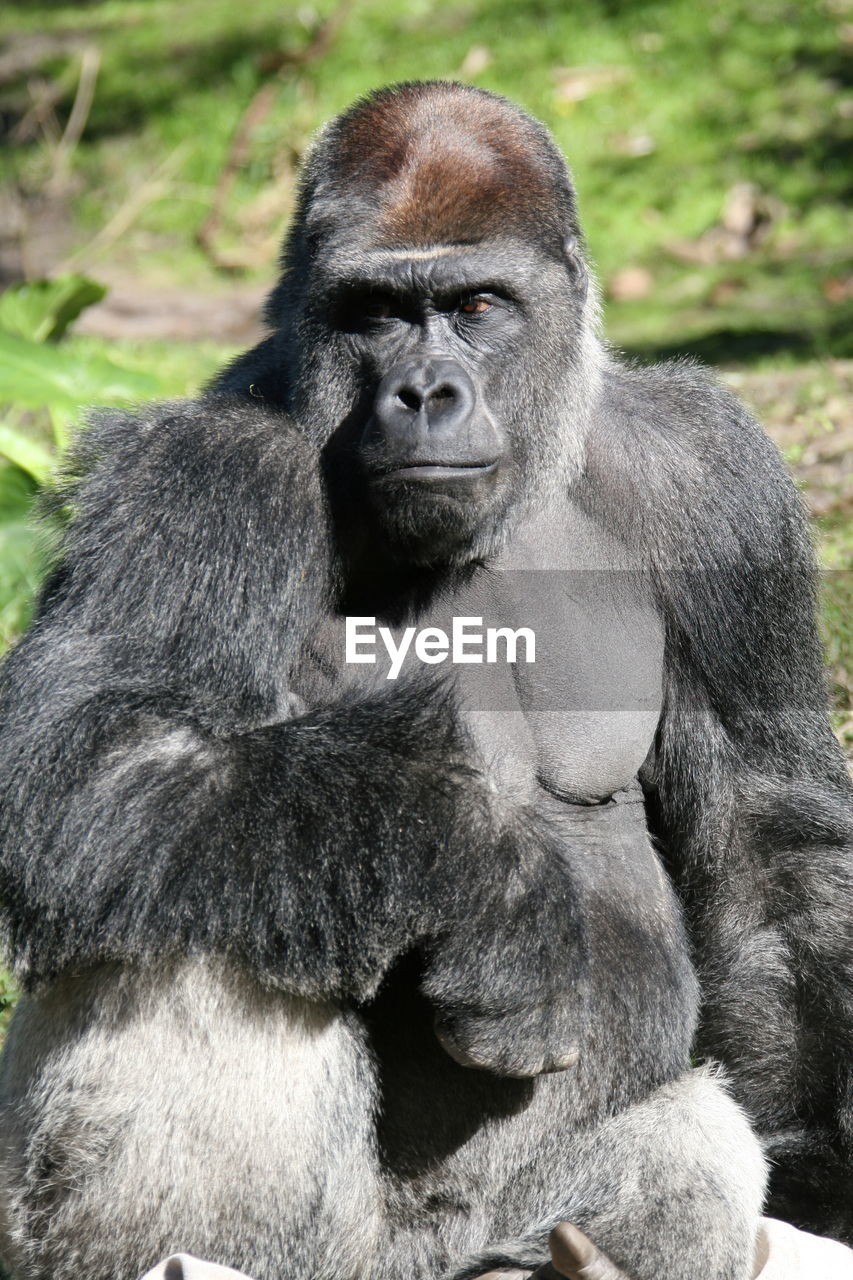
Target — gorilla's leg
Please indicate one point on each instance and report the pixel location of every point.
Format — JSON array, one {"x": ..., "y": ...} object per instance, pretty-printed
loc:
[
  {"x": 670, "y": 1189},
  {"x": 147, "y": 1113}
]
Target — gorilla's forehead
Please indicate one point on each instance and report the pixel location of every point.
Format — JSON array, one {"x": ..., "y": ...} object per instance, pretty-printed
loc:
[{"x": 508, "y": 265}]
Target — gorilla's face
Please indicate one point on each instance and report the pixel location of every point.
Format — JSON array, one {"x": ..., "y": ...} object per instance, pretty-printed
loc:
[
  {"x": 433, "y": 332},
  {"x": 428, "y": 361},
  {"x": 427, "y": 331}
]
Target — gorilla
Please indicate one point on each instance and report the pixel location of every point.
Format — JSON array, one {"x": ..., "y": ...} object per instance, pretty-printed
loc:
[{"x": 333, "y": 974}]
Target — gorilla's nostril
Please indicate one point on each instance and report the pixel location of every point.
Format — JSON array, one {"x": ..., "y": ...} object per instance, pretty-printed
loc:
[
  {"x": 442, "y": 396},
  {"x": 410, "y": 399}
]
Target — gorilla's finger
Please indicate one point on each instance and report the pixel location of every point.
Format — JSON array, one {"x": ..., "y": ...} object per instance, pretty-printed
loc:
[{"x": 575, "y": 1256}]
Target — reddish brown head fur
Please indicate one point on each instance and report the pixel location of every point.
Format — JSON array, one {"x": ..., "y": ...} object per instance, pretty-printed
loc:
[{"x": 450, "y": 164}]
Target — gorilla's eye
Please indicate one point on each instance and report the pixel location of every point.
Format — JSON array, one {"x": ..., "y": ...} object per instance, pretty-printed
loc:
[
  {"x": 475, "y": 306},
  {"x": 378, "y": 307},
  {"x": 363, "y": 310}
]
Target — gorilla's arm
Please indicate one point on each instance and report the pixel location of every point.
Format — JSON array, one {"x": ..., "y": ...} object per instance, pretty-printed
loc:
[
  {"x": 163, "y": 791},
  {"x": 750, "y": 796}
]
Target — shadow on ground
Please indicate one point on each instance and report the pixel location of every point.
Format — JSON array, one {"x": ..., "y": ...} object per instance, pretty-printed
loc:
[{"x": 726, "y": 346}]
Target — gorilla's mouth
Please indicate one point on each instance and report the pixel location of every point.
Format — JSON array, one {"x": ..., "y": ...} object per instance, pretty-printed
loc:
[{"x": 425, "y": 472}]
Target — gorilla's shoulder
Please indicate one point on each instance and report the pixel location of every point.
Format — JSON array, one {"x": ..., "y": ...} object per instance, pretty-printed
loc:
[
  {"x": 686, "y": 431},
  {"x": 677, "y": 461},
  {"x": 682, "y": 404},
  {"x": 190, "y": 444},
  {"x": 263, "y": 369},
  {"x": 179, "y": 514}
]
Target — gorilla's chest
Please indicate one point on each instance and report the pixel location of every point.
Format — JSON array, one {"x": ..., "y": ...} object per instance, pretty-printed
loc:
[
  {"x": 582, "y": 714},
  {"x": 575, "y": 707}
]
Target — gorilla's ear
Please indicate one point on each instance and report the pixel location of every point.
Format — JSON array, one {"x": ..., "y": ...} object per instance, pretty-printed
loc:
[{"x": 576, "y": 266}]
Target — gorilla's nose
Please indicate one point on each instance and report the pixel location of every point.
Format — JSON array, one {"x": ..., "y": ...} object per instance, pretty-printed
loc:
[{"x": 424, "y": 397}]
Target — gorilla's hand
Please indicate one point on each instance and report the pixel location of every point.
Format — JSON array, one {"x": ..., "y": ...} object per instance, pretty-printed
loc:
[
  {"x": 573, "y": 1257},
  {"x": 508, "y": 978},
  {"x": 529, "y": 971},
  {"x": 527, "y": 1041}
]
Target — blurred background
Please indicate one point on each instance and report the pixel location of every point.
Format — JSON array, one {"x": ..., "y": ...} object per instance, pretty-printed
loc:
[{"x": 150, "y": 157}]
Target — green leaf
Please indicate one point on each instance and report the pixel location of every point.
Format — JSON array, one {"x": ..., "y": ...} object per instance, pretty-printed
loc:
[
  {"x": 62, "y": 424},
  {"x": 26, "y": 453},
  {"x": 8, "y": 999},
  {"x": 35, "y": 376},
  {"x": 17, "y": 492},
  {"x": 21, "y": 551},
  {"x": 43, "y": 309}
]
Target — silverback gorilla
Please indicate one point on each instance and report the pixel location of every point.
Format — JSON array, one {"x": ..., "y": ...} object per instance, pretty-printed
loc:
[{"x": 335, "y": 976}]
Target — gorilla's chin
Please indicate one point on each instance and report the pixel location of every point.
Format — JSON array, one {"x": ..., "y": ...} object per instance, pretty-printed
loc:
[{"x": 444, "y": 520}]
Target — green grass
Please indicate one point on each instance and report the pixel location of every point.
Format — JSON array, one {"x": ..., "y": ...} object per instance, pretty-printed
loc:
[{"x": 752, "y": 91}]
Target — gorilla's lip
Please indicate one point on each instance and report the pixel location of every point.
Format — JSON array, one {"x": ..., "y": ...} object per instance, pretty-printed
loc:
[{"x": 427, "y": 471}]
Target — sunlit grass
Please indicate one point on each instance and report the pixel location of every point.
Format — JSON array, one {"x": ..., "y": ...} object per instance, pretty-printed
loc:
[{"x": 679, "y": 102}]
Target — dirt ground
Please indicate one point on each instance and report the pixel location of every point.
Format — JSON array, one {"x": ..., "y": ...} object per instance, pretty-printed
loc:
[{"x": 185, "y": 315}]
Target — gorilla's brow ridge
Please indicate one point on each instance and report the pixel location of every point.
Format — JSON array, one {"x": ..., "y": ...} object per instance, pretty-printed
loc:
[{"x": 437, "y": 251}]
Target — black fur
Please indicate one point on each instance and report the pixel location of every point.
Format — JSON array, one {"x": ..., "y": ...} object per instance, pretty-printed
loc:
[
  {"x": 191, "y": 774},
  {"x": 316, "y": 846}
]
